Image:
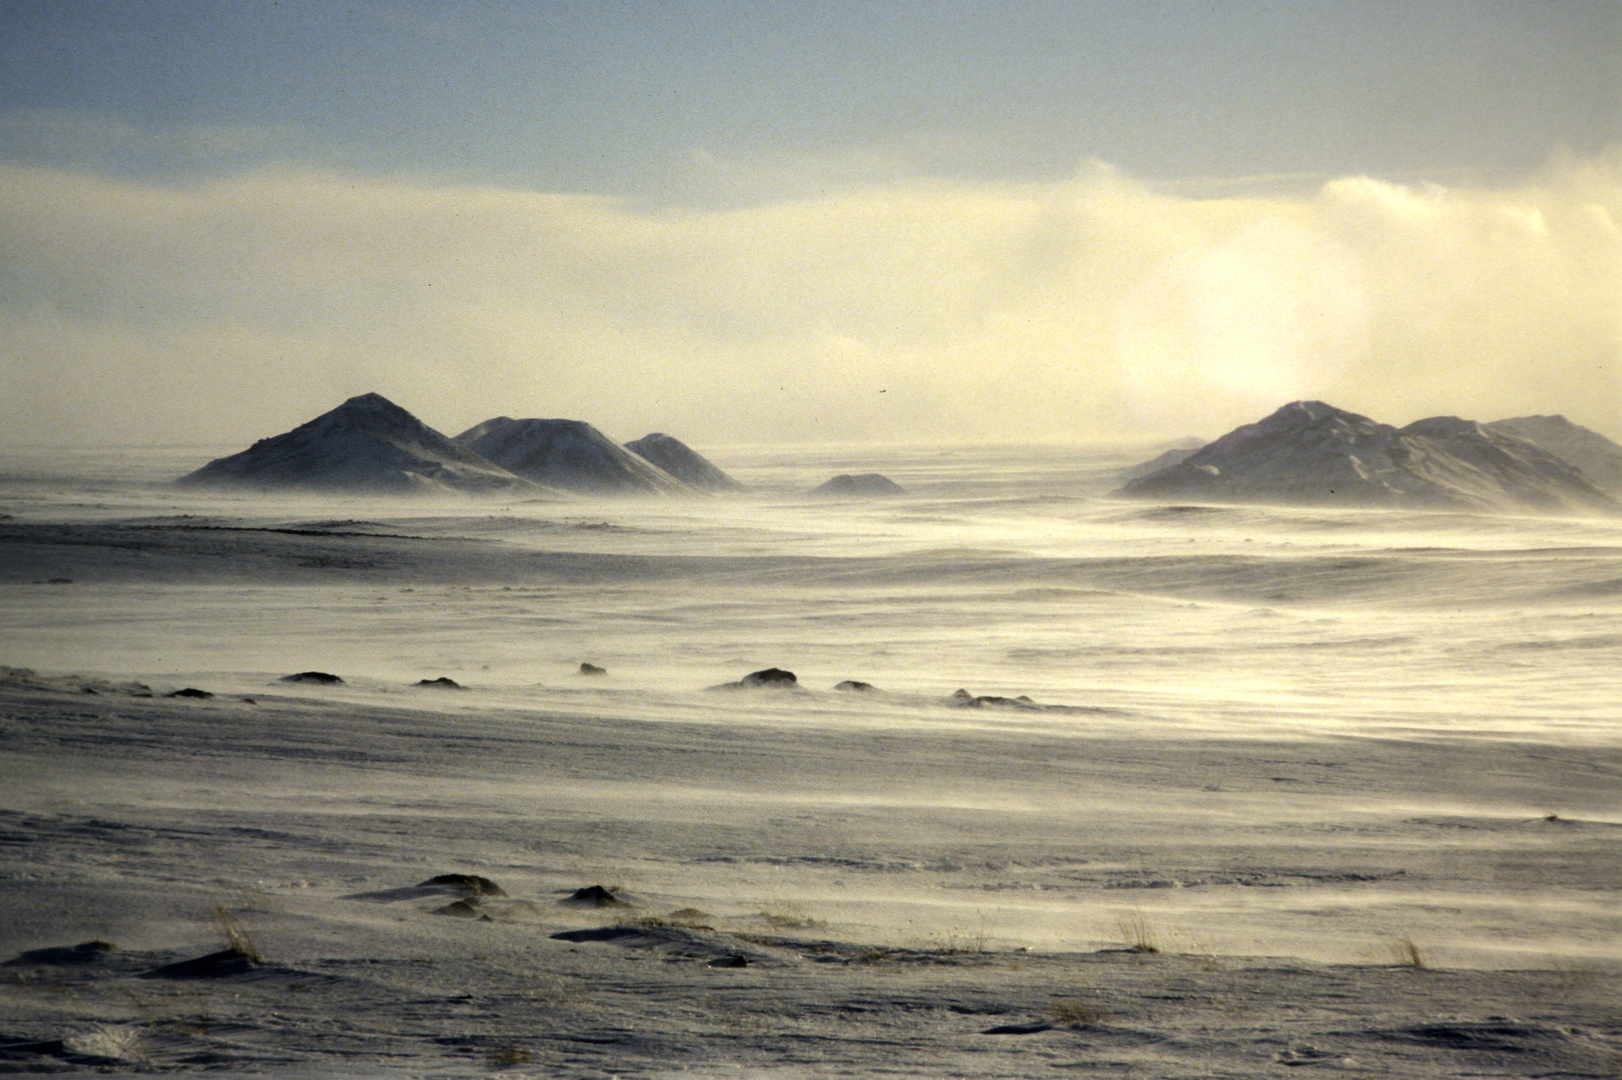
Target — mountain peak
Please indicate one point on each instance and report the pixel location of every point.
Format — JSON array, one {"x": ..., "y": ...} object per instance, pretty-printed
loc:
[
  {"x": 1312, "y": 452},
  {"x": 366, "y": 443}
]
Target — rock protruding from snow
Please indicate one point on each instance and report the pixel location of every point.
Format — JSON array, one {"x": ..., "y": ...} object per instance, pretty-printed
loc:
[
  {"x": 366, "y": 444},
  {"x": 860, "y": 486},
  {"x": 773, "y": 677},
  {"x": 568, "y": 454},
  {"x": 1310, "y": 452},
  {"x": 1599, "y": 458},
  {"x": 683, "y": 462}
]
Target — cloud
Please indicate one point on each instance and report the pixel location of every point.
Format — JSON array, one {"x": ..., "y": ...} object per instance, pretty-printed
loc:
[{"x": 230, "y": 308}]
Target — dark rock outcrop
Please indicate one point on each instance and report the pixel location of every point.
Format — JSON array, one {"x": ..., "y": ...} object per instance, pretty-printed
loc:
[
  {"x": 771, "y": 676},
  {"x": 217, "y": 965},
  {"x": 683, "y": 462},
  {"x": 86, "y": 952},
  {"x": 861, "y": 486},
  {"x": 320, "y": 678},
  {"x": 472, "y": 884},
  {"x": 567, "y": 454},
  {"x": 1312, "y": 453},
  {"x": 594, "y": 896},
  {"x": 592, "y": 669},
  {"x": 366, "y": 444},
  {"x": 441, "y": 683}
]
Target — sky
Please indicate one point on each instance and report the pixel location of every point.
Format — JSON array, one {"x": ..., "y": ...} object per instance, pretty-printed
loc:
[{"x": 755, "y": 222}]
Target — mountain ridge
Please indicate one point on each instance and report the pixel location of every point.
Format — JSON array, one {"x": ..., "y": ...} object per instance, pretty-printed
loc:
[{"x": 1312, "y": 452}]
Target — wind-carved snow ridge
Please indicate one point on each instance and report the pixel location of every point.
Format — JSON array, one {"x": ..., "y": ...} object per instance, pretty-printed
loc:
[
  {"x": 1310, "y": 452},
  {"x": 368, "y": 444},
  {"x": 569, "y": 454},
  {"x": 683, "y": 462}
]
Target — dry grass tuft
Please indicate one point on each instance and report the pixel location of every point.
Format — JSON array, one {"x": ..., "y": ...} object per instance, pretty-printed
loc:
[
  {"x": 1139, "y": 935},
  {"x": 234, "y": 935},
  {"x": 1406, "y": 954},
  {"x": 789, "y": 919},
  {"x": 1074, "y": 1011}
]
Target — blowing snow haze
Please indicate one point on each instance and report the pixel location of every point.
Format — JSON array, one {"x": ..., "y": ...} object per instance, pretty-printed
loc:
[{"x": 866, "y": 222}]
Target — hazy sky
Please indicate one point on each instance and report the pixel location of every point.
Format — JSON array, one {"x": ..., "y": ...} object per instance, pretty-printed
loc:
[{"x": 757, "y": 221}]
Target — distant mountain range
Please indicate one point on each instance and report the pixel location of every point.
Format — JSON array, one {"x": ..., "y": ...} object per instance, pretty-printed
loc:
[
  {"x": 1310, "y": 452},
  {"x": 371, "y": 444}
]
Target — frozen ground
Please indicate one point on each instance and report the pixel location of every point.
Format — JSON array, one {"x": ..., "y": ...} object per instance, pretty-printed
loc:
[{"x": 1292, "y": 751}]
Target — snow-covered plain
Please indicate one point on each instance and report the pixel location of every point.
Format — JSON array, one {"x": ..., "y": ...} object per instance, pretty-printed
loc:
[{"x": 1292, "y": 750}]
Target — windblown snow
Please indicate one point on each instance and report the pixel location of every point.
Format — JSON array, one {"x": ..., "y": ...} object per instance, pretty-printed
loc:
[{"x": 1007, "y": 779}]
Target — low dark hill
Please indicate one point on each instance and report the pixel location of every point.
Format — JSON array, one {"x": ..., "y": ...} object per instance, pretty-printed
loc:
[
  {"x": 366, "y": 444},
  {"x": 568, "y": 454},
  {"x": 860, "y": 486},
  {"x": 683, "y": 462},
  {"x": 1310, "y": 452},
  {"x": 1599, "y": 458}
]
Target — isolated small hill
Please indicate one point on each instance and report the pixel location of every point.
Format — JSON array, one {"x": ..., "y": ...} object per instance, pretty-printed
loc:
[
  {"x": 568, "y": 454},
  {"x": 366, "y": 444},
  {"x": 862, "y": 485},
  {"x": 683, "y": 462},
  {"x": 1310, "y": 452},
  {"x": 1599, "y": 458}
]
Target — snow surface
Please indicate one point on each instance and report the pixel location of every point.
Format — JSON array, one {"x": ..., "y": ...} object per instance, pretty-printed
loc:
[{"x": 1292, "y": 749}]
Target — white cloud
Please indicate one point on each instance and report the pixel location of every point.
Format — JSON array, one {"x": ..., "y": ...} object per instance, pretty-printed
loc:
[{"x": 233, "y": 308}]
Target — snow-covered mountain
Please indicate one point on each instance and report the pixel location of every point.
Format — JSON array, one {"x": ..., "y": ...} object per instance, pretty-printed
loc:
[
  {"x": 1599, "y": 458},
  {"x": 1311, "y": 452},
  {"x": 1174, "y": 455},
  {"x": 683, "y": 462},
  {"x": 366, "y": 444},
  {"x": 568, "y": 454}
]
